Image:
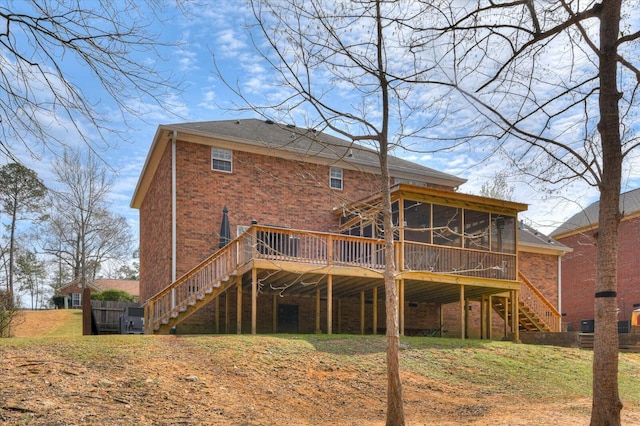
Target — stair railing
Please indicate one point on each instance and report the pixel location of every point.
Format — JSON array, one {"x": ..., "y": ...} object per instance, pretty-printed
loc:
[
  {"x": 538, "y": 304},
  {"x": 193, "y": 285}
]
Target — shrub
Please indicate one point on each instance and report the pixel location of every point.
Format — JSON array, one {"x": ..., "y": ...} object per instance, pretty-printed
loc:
[
  {"x": 113, "y": 296},
  {"x": 58, "y": 300}
]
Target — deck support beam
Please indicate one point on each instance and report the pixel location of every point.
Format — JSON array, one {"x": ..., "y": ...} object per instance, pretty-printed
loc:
[
  {"x": 515, "y": 316},
  {"x": 239, "y": 305},
  {"x": 401, "y": 305},
  {"x": 362, "y": 305},
  {"x": 483, "y": 324},
  {"x": 275, "y": 313},
  {"x": 463, "y": 316},
  {"x": 217, "y": 314},
  {"x": 227, "y": 312},
  {"x": 375, "y": 311},
  {"x": 329, "y": 304},
  {"x": 467, "y": 309},
  {"x": 318, "y": 329},
  {"x": 339, "y": 316},
  {"x": 490, "y": 317},
  {"x": 505, "y": 303},
  {"x": 254, "y": 300}
]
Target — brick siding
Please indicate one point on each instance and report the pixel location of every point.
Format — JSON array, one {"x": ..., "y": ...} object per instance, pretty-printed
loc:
[{"x": 579, "y": 274}]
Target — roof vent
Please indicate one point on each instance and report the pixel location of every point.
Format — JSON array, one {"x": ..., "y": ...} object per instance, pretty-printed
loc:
[{"x": 268, "y": 121}]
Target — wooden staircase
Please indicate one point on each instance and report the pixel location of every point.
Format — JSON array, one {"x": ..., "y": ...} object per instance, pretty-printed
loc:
[
  {"x": 536, "y": 313},
  {"x": 193, "y": 290}
]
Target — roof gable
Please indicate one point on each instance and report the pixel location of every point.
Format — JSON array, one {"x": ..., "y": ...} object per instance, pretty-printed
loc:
[
  {"x": 130, "y": 286},
  {"x": 588, "y": 218}
]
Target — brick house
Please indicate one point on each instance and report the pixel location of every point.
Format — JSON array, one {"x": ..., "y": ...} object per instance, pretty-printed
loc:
[
  {"x": 579, "y": 267},
  {"x": 73, "y": 290},
  {"x": 299, "y": 210}
]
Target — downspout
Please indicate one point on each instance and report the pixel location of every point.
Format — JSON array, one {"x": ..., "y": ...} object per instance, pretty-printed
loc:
[{"x": 173, "y": 216}]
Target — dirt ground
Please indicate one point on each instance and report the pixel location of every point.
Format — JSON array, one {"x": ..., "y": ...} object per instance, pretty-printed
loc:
[{"x": 173, "y": 380}]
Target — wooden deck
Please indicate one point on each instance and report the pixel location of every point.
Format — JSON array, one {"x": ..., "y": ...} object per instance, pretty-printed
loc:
[{"x": 315, "y": 264}]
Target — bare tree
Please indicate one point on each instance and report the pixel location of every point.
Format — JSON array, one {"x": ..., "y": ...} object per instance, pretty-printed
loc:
[
  {"x": 81, "y": 231},
  {"x": 338, "y": 61},
  {"x": 21, "y": 195},
  {"x": 498, "y": 187},
  {"x": 559, "y": 81},
  {"x": 41, "y": 45}
]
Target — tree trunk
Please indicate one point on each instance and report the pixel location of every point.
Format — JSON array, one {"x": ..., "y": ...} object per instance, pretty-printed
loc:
[
  {"x": 12, "y": 238},
  {"x": 395, "y": 409},
  {"x": 606, "y": 400}
]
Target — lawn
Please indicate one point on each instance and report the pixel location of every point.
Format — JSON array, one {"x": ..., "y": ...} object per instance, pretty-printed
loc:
[{"x": 52, "y": 375}]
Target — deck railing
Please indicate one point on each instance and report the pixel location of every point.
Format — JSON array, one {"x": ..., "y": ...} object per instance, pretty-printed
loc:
[
  {"x": 459, "y": 261},
  {"x": 314, "y": 247},
  {"x": 324, "y": 249},
  {"x": 192, "y": 286}
]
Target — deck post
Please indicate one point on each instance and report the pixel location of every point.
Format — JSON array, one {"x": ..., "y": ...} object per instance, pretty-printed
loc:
[
  {"x": 217, "y": 314},
  {"x": 362, "y": 304},
  {"x": 482, "y": 318},
  {"x": 329, "y": 304},
  {"x": 339, "y": 316},
  {"x": 375, "y": 310},
  {"x": 239, "y": 305},
  {"x": 401, "y": 306},
  {"x": 275, "y": 313},
  {"x": 441, "y": 320},
  {"x": 226, "y": 311},
  {"x": 466, "y": 318},
  {"x": 148, "y": 317},
  {"x": 318, "y": 329},
  {"x": 489, "y": 317},
  {"x": 505, "y": 303},
  {"x": 516, "y": 317},
  {"x": 254, "y": 300},
  {"x": 462, "y": 313}
]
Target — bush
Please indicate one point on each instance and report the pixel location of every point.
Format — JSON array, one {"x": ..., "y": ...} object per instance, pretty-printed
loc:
[
  {"x": 58, "y": 300},
  {"x": 112, "y": 296},
  {"x": 9, "y": 314}
]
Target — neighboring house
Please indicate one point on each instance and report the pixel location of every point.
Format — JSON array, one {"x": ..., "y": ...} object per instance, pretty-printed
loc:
[
  {"x": 300, "y": 211},
  {"x": 579, "y": 267},
  {"x": 74, "y": 289}
]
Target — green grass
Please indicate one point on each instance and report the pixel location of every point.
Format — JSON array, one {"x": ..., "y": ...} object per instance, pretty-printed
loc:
[
  {"x": 71, "y": 327},
  {"x": 493, "y": 367}
]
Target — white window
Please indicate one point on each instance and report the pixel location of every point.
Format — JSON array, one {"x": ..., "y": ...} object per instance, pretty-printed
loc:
[
  {"x": 76, "y": 300},
  {"x": 221, "y": 159},
  {"x": 335, "y": 178}
]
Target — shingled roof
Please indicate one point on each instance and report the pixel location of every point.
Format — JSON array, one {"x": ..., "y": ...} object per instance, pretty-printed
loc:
[
  {"x": 588, "y": 218},
  {"x": 306, "y": 144},
  {"x": 530, "y": 237}
]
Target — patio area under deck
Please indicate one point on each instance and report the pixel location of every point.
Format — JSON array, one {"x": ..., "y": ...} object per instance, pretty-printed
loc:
[{"x": 336, "y": 283}]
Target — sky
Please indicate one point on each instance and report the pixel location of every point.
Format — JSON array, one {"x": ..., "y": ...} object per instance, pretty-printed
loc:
[{"x": 218, "y": 29}]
